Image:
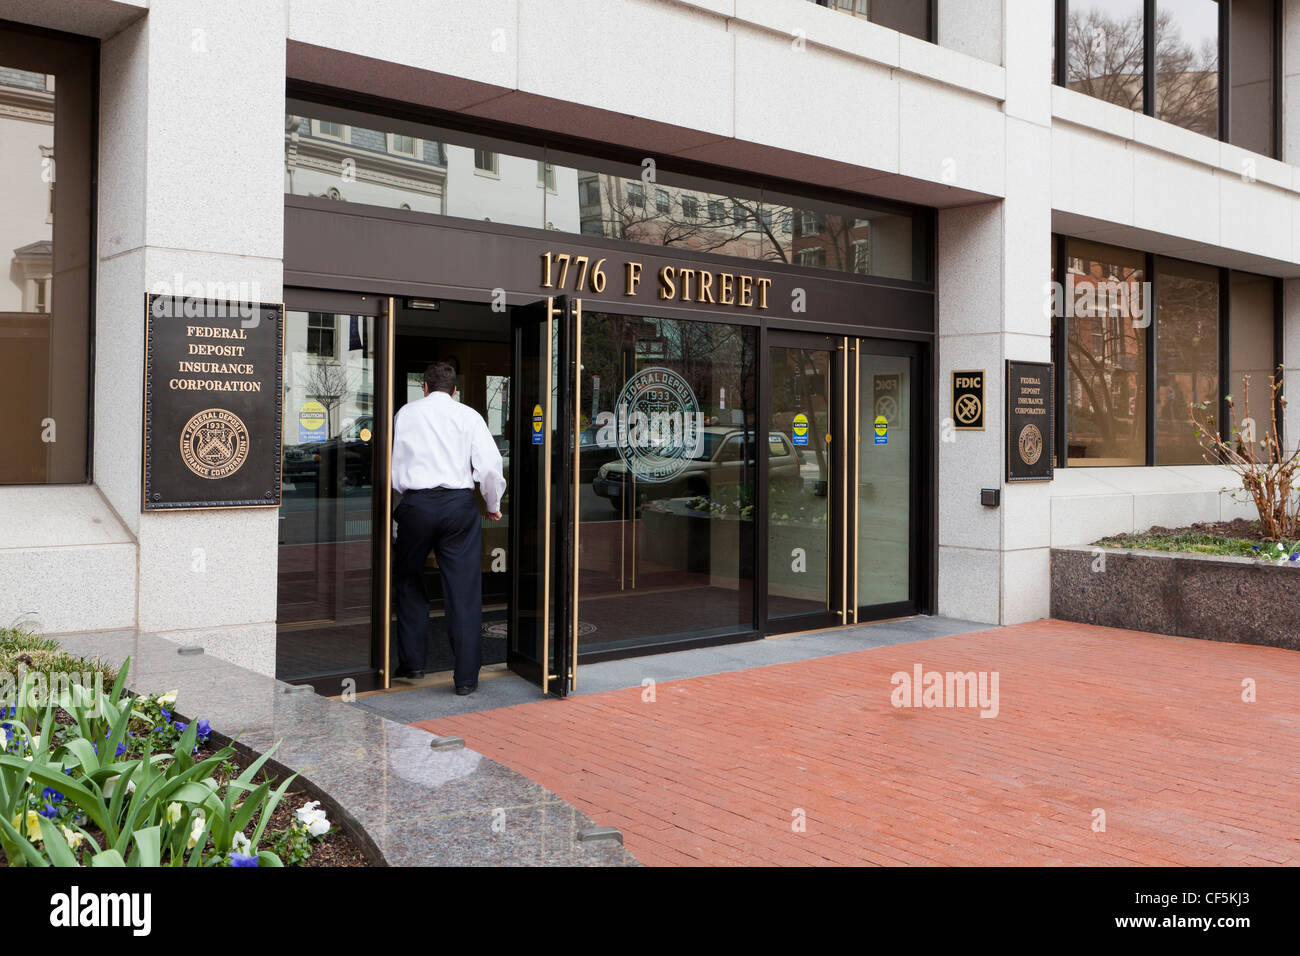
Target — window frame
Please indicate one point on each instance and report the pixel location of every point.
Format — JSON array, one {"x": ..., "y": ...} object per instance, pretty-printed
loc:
[
  {"x": 344, "y": 136},
  {"x": 931, "y": 16},
  {"x": 391, "y": 140},
  {"x": 1061, "y": 343},
  {"x": 494, "y": 172},
  {"x": 1150, "y": 77}
]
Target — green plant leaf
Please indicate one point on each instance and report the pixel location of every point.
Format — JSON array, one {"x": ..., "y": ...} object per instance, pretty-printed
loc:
[
  {"x": 56, "y": 846},
  {"x": 267, "y": 858},
  {"x": 269, "y": 810},
  {"x": 107, "y": 858},
  {"x": 148, "y": 844},
  {"x": 90, "y": 802},
  {"x": 27, "y": 854}
]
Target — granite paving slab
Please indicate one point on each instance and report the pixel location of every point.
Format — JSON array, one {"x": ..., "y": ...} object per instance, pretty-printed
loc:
[{"x": 408, "y": 804}]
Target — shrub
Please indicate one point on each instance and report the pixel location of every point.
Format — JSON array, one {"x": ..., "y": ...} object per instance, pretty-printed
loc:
[{"x": 1259, "y": 456}]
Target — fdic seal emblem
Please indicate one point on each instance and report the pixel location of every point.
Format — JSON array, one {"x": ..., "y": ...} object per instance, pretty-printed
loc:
[
  {"x": 214, "y": 443},
  {"x": 660, "y": 428},
  {"x": 1031, "y": 444}
]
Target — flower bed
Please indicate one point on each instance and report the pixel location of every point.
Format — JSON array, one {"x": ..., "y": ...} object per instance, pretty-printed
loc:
[{"x": 100, "y": 777}]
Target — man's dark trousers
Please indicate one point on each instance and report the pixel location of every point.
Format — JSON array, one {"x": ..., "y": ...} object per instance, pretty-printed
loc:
[{"x": 446, "y": 522}]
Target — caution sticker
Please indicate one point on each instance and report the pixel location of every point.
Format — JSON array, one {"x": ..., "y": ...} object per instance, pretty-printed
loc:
[
  {"x": 799, "y": 429},
  {"x": 311, "y": 422},
  {"x": 537, "y": 424},
  {"x": 882, "y": 430}
]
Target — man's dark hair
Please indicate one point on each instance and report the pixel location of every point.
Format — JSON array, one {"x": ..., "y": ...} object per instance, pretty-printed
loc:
[{"x": 440, "y": 377}]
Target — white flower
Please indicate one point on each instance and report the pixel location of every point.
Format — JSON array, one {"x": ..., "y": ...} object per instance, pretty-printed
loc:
[
  {"x": 173, "y": 813},
  {"x": 310, "y": 816},
  {"x": 239, "y": 844},
  {"x": 196, "y": 830},
  {"x": 111, "y": 783},
  {"x": 168, "y": 698},
  {"x": 72, "y": 837},
  {"x": 4, "y": 740}
]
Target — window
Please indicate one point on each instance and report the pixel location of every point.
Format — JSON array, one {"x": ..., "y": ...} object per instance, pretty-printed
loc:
[
  {"x": 1252, "y": 319},
  {"x": 1103, "y": 300},
  {"x": 1187, "y": 355},
  {"x": 404, "y": 145},
  {"x": 546, "y": 176},
  {"x": 1187, "y": 64},
  {"x": 47, "y": 97},
  {"x": 862, "y": 256},
  {"x": 814, "y": 257},
  {"x": 1107, "y": 42},
  {"x": 1106, "y": 302},
  {"x": 1251, "y": 81},
  {"x": 329, "y": 130},
  {"x": 320, "y": 334},
  {"x": 906, "y": 16},
  {"x": 685, "y": 211}
]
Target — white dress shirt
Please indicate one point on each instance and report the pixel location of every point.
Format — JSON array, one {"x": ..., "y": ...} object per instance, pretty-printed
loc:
[{"x": 440, "y": 443}]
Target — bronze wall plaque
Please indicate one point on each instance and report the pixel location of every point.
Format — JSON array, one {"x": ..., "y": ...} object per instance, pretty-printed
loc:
[
  {"x": 1030, "y": 414},
  {"x": 968, "y": 400},
  {"x": 212, "y": 403}
]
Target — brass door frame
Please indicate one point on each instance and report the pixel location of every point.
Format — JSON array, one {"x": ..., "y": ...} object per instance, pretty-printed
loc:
[
  {"x": 386, "y": 595},
  {"x": 549, "y": 419},
  {"x": 577, "y": 512}
]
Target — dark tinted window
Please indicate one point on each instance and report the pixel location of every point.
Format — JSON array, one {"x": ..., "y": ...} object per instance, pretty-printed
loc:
[{"x": 46, "y": 141}]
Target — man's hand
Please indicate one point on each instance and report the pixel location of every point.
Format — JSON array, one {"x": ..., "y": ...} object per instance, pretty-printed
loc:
[{"x": 494, "y": 516}]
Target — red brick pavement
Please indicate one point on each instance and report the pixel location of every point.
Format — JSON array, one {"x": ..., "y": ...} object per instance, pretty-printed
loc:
[{"x": 1150, "y": 729}]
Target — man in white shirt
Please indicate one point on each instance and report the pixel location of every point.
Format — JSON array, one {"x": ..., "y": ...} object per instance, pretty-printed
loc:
[{"x": 441, "y": 449}]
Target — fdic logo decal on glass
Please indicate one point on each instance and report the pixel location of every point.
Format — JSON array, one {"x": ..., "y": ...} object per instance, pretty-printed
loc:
[{"x": 659, "y": 425}]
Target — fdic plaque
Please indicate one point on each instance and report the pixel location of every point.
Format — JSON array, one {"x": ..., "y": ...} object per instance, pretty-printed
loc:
[
  {"x": 1030, "y": 414},
  {"x": 212, "y": 403}
]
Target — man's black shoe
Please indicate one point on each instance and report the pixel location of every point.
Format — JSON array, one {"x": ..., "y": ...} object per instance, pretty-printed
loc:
[
  {"x": 408, "y": 674},
  {"x": 467, "y": 689}
]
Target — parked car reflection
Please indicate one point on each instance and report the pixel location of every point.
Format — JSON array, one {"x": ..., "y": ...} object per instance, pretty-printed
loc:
[
  {"x": 726, "y": 462},
  {"x": 302, "y": 463}
]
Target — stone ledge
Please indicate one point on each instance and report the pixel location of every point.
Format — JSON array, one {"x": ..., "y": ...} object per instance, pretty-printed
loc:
[
  {"x": 406, "y": 803},
  {"x": 1229, "y": 599}
]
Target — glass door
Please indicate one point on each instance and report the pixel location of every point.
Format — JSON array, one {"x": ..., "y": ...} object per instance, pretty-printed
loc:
[
  {"x": 543, "y": 494},
  {"x": 885, "y": 529},
  {"x": 804, "y": 415},
  {"x": 842, "y": 461},
  {"x": 331, "y": 563}
]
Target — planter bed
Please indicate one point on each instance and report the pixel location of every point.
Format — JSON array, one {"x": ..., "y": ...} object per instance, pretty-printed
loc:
[{"x": 1236, "y": 600}]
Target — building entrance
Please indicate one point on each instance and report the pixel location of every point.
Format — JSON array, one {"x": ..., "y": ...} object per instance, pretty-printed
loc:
[{"x": 671, "y": 481}]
